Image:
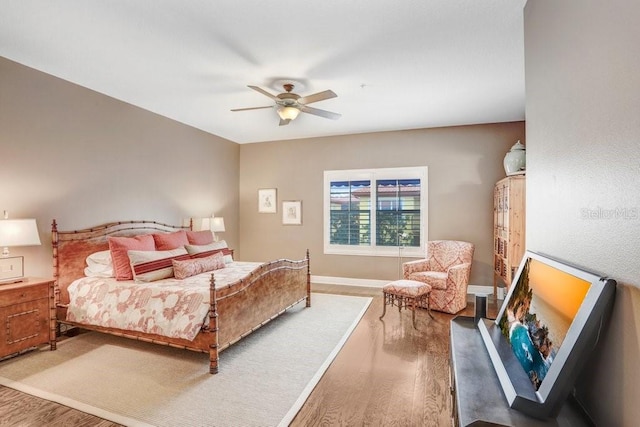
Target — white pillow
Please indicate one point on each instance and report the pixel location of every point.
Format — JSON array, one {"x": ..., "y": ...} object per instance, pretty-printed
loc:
[
  {"x": 99, "y": 258},
  {"x": 99, "y": 271},
  {"x": 220, "y": 244},
  {"x": 99, "y": 264}
]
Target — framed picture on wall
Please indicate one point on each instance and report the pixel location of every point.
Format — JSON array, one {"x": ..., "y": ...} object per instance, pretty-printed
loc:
[
  {"x": 292, "y": 212},
  {"x": 267, "y": 200}
]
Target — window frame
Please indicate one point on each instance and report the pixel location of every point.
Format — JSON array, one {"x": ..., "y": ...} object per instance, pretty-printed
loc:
[{"x": 373, "y": 175}]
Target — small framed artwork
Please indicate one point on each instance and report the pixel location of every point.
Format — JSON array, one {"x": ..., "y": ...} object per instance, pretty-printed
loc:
[
  {"x": 267, "y": 200},
  {"x": 292, "y": 212}
]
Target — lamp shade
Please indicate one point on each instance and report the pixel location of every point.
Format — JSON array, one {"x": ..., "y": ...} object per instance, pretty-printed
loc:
[
  {"x": 288, "y": 113},
  {"x": 18, "y": 232},
  {"x": 217, "y": 224}
]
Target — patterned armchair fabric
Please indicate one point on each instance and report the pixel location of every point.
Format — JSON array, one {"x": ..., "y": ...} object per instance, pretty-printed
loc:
[{"x": 446, "y": 268}]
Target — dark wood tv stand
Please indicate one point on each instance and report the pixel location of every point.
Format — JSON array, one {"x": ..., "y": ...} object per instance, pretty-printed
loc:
[{"x": 477, "y": 398}]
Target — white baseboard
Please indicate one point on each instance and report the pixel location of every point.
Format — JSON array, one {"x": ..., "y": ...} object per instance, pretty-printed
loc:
[
  {"x": 372, "y": 283},
  {"x": 328, "y": 280}
]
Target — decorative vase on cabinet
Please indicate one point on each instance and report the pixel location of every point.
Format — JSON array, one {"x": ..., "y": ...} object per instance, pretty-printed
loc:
[
  {"x": 515, "y": 160},
  {"x": 508, "y": 228}
]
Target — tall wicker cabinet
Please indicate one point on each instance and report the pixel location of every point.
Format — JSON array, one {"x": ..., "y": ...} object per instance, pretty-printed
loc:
[{"x": 508, "y": 228}]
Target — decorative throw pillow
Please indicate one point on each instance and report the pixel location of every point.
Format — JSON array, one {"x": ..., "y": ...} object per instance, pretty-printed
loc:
[
  {"x": 148, "y": 266},
  {"x": 199, "y": 251},
  {"x": 119, "y": 247},
  {"x": 191, "y": 267},
  {"x": 203, "y": 237},
  {"x": 168, "y": 241}
]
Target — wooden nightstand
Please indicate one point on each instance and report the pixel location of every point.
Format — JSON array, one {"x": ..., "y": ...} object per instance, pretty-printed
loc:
[{"x": 26, "y": 316}]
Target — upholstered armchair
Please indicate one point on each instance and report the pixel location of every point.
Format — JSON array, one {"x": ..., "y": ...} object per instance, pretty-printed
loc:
[{"x": 446, "y": 268}]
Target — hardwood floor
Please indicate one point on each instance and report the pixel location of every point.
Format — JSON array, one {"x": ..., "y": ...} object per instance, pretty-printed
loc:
[
  {"x": 388, "y": 373},
  {"x": 24, "y": 410}
]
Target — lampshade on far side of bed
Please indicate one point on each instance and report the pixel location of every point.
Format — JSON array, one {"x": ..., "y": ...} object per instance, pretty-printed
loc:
[{"x": 215, "y": 224}]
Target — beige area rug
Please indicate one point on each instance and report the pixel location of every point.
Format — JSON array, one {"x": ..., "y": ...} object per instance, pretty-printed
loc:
[{"x": 263, "y": 381}]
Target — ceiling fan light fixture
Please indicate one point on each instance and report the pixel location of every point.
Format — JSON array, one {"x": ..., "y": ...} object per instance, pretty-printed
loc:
[
  {"x": 288, "y": 113},
  {"x": 288, "y": 104}
]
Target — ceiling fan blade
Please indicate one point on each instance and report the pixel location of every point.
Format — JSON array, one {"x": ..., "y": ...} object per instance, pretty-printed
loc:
[
  {"x": 251, "y": 108},
  {"x": 264, "y": 92},
  {"x": 284, "y": 122},
  {"x": 320, "y": 96},
  {"x": 322, "y": 113}
]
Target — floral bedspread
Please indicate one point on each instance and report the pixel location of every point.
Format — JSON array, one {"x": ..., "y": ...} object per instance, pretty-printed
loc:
[{"x": 169, "y": 307}]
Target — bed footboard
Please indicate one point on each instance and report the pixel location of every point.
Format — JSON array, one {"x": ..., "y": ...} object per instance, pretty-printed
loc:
[{"x": 244, "y": 306}]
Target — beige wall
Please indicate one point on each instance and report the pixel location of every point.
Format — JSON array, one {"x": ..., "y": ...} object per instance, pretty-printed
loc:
[
  {"x": 583, "y": 158},
  {"x": 83, "y": 158},
  {"x": 464, "y": 164}
]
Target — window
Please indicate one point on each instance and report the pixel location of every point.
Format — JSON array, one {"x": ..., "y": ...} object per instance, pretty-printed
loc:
[{"x": 375, "y": 211}]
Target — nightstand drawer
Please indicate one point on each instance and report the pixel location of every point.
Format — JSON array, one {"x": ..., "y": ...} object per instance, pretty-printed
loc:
[
  {"x": 17, "y": 295},
  {"x": 23, "y": 326}
]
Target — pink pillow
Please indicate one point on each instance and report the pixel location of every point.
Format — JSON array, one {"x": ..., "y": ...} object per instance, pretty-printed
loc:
[
  {"x": 169, "y": 241},
  {"x": 119, "y": 247},
  {"x": 191, "y": 267},
  {"x": 203, "y": 237}
]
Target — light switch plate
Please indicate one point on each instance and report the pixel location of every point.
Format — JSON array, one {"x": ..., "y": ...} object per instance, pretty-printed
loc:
[{"x": 11, "y": 269}]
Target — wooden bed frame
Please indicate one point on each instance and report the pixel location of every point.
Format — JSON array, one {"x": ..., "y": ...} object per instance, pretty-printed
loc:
[{"x": 235, "y": 310}]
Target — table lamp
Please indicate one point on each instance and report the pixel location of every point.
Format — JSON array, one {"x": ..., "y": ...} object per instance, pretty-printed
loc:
[
  {"x": 215, "y": 224},
  {"x": 15, "y": 232}
]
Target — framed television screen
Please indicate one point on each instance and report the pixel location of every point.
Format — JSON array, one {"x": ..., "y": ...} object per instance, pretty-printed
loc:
[{"x": 547, "y": 326}]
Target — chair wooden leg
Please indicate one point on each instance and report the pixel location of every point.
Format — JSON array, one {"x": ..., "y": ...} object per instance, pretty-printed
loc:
[
  {"x": 429, "y": 306},
  {"x": 384, "y": 305},
  {"x": 413, "y": 312}
]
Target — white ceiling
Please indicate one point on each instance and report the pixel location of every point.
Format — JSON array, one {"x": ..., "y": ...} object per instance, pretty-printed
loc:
[{"x": 393, "y": 64}]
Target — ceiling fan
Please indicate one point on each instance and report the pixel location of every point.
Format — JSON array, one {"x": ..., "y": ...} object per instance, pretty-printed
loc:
[{"x": 290, "y": 104}]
